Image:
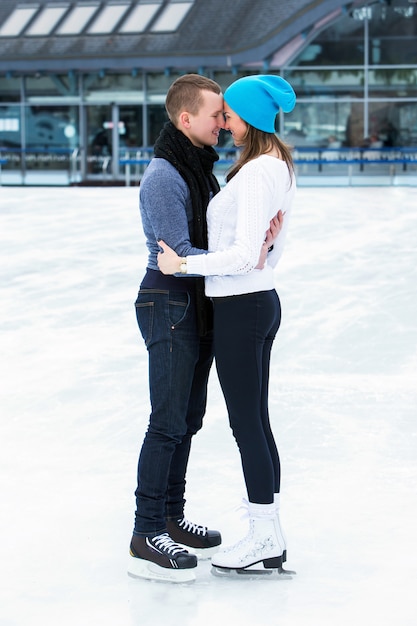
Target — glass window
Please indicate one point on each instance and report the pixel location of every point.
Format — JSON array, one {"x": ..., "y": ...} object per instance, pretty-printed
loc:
[
  {"x": 393, "y": 82},
  {"x": 318, "y": 124},
  {"x": 140, "y": 17},
  {"x": 392, "y": 28},
  {"x": 392, "y": 34},
  {"x": 108, "y": 18},
  {"x": 406, "y": 113},
  {"x": 171, "y": 17},
  {"x": 50, "y": 86},
  {"x": 113, "y": 88},
  {"x": 10, "y": 137},
  {"x": 224, "y": 79},
  {"x": 77, "y": 19},
  {"x": 331, "y": 82},
  {"x": 99, "y": 138},
  {"x": 158, "y": 85},
  {"x": 100, "y": 134},
  {"x": 340, "y": 44},
  {"x": 47, "y": 20},
  {"x": 130, "y": 134},
  {"x": 10, "y": 127},
  {"x": 157, "y": 117},
  {"x": 17, "y": 21},
  {"x": 393, "y": 123},
  {"x": 9, "y": 89},
  {"x": 50, "y": 136},
  {"x": 389, "y": 124},
  {"x": 51, "y": 128},
  {"x": 395, "y": 50}
]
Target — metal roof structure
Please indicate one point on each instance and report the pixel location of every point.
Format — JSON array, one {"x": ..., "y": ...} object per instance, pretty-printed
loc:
[{"x": 88, "y": 35}]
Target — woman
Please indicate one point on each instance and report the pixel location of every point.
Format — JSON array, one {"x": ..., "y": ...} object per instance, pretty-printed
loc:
[{"x": 247, "y": 310}]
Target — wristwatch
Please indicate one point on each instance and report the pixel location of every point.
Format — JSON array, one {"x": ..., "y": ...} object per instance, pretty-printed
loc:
[{"x": 183, "y": 265}]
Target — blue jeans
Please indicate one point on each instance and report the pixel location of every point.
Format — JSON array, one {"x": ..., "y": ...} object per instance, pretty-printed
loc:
[{"x": 179, "y": 366}]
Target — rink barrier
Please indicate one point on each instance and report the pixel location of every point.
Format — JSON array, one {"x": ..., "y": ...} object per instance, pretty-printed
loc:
[
  {"x": 2, "y": 162},
  {"x": 383, "y": 165},
  {"x": 23, "y": 156},
  {"x": 348, "y": 160}
]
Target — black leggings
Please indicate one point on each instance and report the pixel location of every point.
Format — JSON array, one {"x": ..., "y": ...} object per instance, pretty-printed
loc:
[{"x": 244, "y": 330}]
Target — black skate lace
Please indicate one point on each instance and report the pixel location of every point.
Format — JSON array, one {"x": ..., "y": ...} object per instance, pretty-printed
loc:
[
  {"x": 164, "y": 542},
  {"x": 192, "y": 528}
]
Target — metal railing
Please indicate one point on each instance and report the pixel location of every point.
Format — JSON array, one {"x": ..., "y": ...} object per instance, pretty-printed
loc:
[
  {"x": 315, "y": 161},
  {"x": 24, "y": 161},
  {"x": 2, "y": 162},
  {"x": 385, "y": 165},
  {"x": 378, "y": 165}
]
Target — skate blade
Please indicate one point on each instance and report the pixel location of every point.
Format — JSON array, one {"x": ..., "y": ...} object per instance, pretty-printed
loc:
[
  {"x": 253, "y": 571},
  {"x": 140, "y": 568}
]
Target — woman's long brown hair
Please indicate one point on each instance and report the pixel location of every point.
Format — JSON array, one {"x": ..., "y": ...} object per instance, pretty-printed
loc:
[{"x": 257, "y": 142}]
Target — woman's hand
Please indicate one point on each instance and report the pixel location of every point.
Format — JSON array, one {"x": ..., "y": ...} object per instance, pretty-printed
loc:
[{"x": 168, "y": 261}]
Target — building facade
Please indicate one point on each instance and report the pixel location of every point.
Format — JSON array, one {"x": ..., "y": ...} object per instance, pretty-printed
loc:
[{"x": 83, "y": 84}]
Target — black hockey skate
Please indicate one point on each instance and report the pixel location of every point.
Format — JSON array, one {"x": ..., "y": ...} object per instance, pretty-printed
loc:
[
  {"x": 202, "y": 541},
  {"x": 161, "y": 558}
]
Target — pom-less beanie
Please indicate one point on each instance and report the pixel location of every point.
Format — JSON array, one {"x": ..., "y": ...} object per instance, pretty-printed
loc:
[{"x": 257, "y": 99}]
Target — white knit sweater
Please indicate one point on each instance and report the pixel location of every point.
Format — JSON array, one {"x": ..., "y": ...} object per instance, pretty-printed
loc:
[{"x": 238, "y": 218}]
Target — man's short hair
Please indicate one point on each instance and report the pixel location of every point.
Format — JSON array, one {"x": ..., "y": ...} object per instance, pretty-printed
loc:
[{"x": 185, "y": 94}]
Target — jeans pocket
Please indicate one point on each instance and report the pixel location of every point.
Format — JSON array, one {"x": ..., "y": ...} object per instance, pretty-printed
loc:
[
  {"x": 145, "y": 317},
  {"x": 178, "y": 305}
]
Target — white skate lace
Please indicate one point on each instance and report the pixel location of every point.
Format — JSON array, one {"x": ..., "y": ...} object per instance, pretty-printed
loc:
[
  {"x": 192, "y": 528},
  {"x": 165, "y": 543},
  {"x": 244, "y": 507}
]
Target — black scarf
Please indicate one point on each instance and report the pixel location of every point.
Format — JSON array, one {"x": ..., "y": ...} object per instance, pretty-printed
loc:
[{"x": 196, "y": 167}]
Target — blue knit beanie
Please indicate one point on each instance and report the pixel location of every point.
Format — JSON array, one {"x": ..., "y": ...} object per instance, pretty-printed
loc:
[{"x": 257, "y": 99}]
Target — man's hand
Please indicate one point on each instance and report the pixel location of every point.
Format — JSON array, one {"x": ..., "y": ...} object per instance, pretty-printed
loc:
[
  {"x": 262, "y": 256},
  {"x": 271, "y": 234},
  {"x": 275, "y": 226}
]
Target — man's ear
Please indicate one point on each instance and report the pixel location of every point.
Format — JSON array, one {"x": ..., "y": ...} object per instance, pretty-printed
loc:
[{"x": 184, "y": 119}]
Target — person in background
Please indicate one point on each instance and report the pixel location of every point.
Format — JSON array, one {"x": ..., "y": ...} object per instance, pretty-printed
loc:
[{"x": 247, "y": 311}]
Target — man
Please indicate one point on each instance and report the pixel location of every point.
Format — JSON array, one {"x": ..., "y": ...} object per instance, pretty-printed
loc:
[{"x": 174, "y": 317}]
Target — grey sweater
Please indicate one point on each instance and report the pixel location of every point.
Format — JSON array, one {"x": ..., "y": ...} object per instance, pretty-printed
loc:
[{"x": 166, "y": 211}]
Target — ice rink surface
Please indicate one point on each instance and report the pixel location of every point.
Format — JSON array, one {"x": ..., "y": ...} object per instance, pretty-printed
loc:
[{"x": 74, "y": 409}]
